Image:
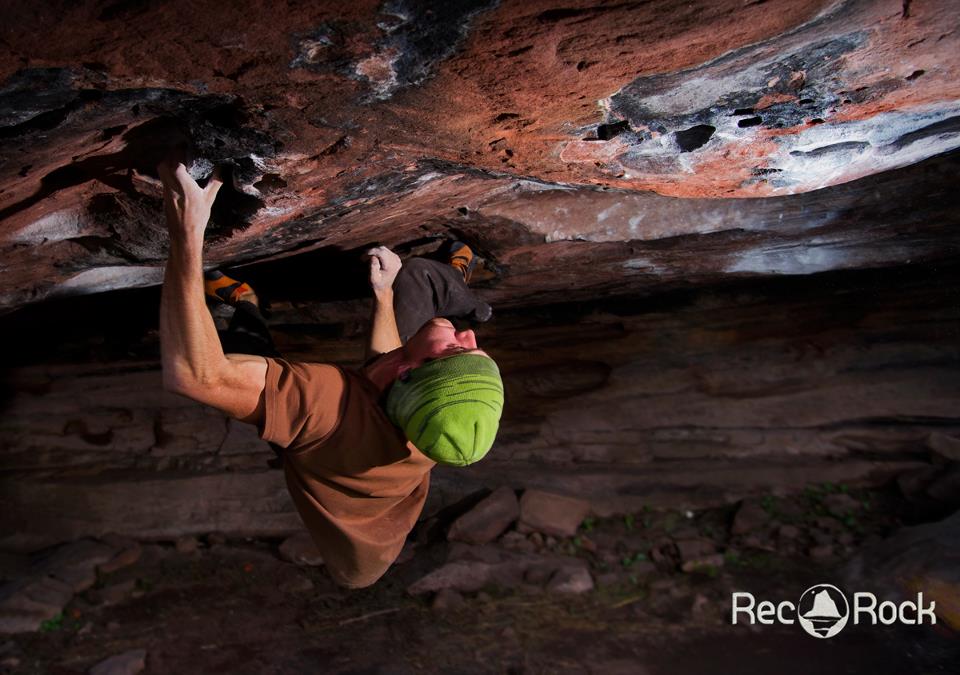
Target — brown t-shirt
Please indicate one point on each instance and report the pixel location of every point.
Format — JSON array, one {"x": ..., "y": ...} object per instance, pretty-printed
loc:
[{"x": 357, "y": 483}]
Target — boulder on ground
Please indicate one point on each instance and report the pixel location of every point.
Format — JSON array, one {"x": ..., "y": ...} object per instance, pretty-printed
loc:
[
  {"x": 691, "y": 549},
  {"x": 841, "y": 504},
  {"x": 300, "y": 550},
  {"x": 945, "y": 445},
  {"x": 554, "y": 514},
  {"x": 488, "y": 519},
  {"x": 27, "y": 603},
  {"x": 128, "y": 663},
  {"x": 76, "y": 563},
  {"x": 750, "y": 517},
  {"x": 115, "y": 594},
  {"x": 466, "y": 576},
  {"x": 126, "y": 557},
  {"x": 922, "y": 558},
  {"x": 571, "y": 579}
]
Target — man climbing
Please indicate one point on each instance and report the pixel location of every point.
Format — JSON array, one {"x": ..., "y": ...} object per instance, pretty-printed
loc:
[{"x": 357, "y": 445}]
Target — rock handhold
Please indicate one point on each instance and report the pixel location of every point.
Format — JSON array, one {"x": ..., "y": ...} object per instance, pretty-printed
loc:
[
  {"x": 127, "y": 663},
  {"x": 300, "y": 550},
  {"x": 552, "y": 514},
  {"x": 488, "y": 519}
]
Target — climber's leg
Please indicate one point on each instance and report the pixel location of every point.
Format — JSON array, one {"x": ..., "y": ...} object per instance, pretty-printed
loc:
[
  {"x": 247, "y": 332},
  {"x": 427, "y": 288}
]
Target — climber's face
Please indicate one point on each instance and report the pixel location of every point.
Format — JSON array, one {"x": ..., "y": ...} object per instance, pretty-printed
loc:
[{"x": 437, "y": 339}]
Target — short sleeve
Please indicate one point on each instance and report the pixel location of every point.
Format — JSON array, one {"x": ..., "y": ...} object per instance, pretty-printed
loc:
[{"x": 302, "y": 402}]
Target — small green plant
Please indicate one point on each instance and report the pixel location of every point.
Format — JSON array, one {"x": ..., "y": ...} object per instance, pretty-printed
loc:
[
  {"x": 53, "y": 624},
  {"x": 768, "y": 504},
  {"x": 731, "y": 558},
  {"x": 587, "y": 524},
  {"x": 629, "y": 560},
  {"x": 577, "y": 542},
  {"x": 629, "y": 521}
]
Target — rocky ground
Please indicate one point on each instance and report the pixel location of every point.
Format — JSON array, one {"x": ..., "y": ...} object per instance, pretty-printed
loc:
[{"x": 498, "y": 584}]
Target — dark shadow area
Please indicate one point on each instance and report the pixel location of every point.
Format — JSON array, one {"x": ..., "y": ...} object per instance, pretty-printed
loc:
[{"x": 121, "y": 325}]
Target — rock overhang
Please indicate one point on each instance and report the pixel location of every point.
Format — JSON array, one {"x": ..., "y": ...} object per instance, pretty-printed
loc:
[{"x": 536, "y": 130}]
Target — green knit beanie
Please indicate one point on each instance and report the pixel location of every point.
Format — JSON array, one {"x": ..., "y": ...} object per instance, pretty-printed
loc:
[{"x": 450, "y": 408}]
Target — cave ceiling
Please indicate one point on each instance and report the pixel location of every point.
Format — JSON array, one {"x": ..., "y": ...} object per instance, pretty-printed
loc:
[{"x": 585, "y": 148}]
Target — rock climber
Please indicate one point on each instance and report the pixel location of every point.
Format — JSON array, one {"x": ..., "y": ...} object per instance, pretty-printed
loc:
[{"x": 357, "y": 445}]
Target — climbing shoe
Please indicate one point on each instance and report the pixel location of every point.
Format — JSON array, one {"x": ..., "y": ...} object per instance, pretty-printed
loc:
[
  {"x": 461, "y": 256},
  {"x": 220, "y": 288}
]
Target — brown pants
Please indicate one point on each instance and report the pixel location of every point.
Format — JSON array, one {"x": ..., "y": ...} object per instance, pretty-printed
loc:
[{"x": 427, "y": 288}]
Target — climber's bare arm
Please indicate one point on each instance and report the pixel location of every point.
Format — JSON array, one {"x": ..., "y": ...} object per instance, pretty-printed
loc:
[
  {"x": 194, "y": 364},
  {"x": 384, "y": 336}
]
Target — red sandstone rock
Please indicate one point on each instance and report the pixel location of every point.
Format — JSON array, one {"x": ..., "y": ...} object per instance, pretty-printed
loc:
[
  {"x": 488, "y": 519},
  {"x": 552, "y": 513},
  {"x": 344, "y": 125},
  {"x": 300, "y": 549}
]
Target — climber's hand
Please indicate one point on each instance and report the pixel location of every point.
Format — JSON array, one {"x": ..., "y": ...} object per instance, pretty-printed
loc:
[
  {"x": 384, "y": 266},
  {"x": 186, "y": 204}
]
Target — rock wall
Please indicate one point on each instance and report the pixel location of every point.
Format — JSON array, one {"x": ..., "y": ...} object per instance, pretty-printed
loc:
[
  {"x": 343, "y": 125},
  {"x": 685, "y": 400},
  {"x": 651, "y": 186}
]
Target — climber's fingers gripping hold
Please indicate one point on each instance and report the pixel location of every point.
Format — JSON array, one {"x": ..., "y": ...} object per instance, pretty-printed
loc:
[
  {"x": 187, "y": 205},
  {"x": 384, "y": 267}
]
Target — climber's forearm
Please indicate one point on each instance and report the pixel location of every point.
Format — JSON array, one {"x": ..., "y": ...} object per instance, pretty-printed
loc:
[
  {"x": 194, "y": 364},
  {"x": 190, "y": 348},
  {"x": 384, "y": 336}
]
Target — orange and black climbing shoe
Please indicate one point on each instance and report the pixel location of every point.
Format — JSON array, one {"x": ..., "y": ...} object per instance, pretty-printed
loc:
[
  {"x": 220, "y": 288},
  {"x": 461, "y": 256}
]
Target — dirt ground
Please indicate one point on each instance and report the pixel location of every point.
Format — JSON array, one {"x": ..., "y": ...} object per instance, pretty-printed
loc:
[{"x": 236, "y": 607}]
